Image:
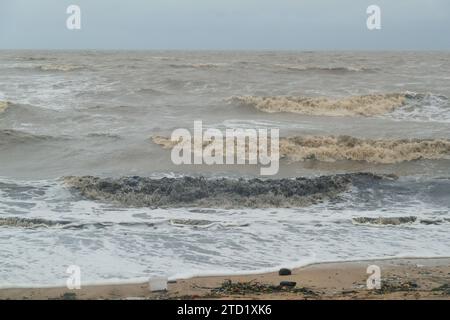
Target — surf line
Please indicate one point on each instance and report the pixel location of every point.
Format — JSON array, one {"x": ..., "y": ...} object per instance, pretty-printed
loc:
[{"x": 232, "y": 147}]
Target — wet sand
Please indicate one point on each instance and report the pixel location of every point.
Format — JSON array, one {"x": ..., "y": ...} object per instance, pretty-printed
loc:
[{"x": 400, "y": 279}]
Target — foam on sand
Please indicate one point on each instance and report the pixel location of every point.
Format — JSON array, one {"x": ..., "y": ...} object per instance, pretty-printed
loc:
[
  {"x": 335, "y": 148},
  {"x": 365, "y": 105}
]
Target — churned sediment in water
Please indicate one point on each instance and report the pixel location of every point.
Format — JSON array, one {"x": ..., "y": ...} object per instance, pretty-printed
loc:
[
  {"x": 168, "y": 143},
  {"x": 365, "y": 105},
  {"x": 337, "y": 148},
  {"x": 331, "y": 148},
  {"x": 223, "y": 192}
]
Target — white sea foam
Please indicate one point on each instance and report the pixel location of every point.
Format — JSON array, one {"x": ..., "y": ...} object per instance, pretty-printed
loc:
[
  {"x": 424, "y": 108},
  {"x": 140, "y": 243}
]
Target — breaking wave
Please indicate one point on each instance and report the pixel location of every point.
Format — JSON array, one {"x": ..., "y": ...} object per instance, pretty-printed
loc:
[
  {"x": 395, "y": 221},
  {"x": 167, "y": 143},
  {"x": 204, "y": 224},
  {"x": 105, "y": 135},
  {"x": 423, "y": 107},
  {"x": 408, "y": 105},
  {"x": 37, "y": 223},
  {"x": 10, "y": 136},
  {"x": 3, "y": 106},
  {"x": 338, "y": 148},
  {"x": 33, "y": 58},
  {"x": 327, "y": 69},
  {"x": 367, "y": 105},
  {"x": 222, "y": 193},
  {"x": 33, "y": 223},
  {"x": 59, "y": 67},
  {"x": 330, "y": 149},
  {"x": 150, "y": 91},
  {"x": 196, "y": 65},
  {"x": 164, "y": 142},
  {"x": 30, "y": 223}
]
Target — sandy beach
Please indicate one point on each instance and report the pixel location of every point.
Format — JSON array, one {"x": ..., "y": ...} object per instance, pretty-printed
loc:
[{"x": 400, "y": 279}]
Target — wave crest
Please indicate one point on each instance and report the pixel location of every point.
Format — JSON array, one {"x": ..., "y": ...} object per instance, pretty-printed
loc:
[
  {"x": 196, "y": 65},
  {"x": 59, "y": 67},
  {"x": 208, "y": 193},
  {"x": 365, "y": 105},
  {"x": 164, "y": 142},
  {"x": 331, "y": 148},
  {"x": 395, "y": 221},
  {"x": 339, "y": 148},
  {"x": 3, "y": 106},
  {"x": 29, "y": 223},
  {"x": 13, "y": 137},
  {"x": 33, "y": 223},
  {"x": 325, "y": 69}
]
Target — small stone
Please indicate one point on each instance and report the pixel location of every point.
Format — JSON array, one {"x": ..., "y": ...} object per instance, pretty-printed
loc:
[
  {"x": 288, "y": 284},
  {"x": 284, "y": 272}
]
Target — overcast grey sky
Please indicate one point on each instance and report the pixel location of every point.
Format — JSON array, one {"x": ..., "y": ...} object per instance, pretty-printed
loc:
[{"x": 225, "y": 24}]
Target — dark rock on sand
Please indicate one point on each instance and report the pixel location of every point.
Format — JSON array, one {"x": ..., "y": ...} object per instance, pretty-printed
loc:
[{"x": 284, "y": 272}]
